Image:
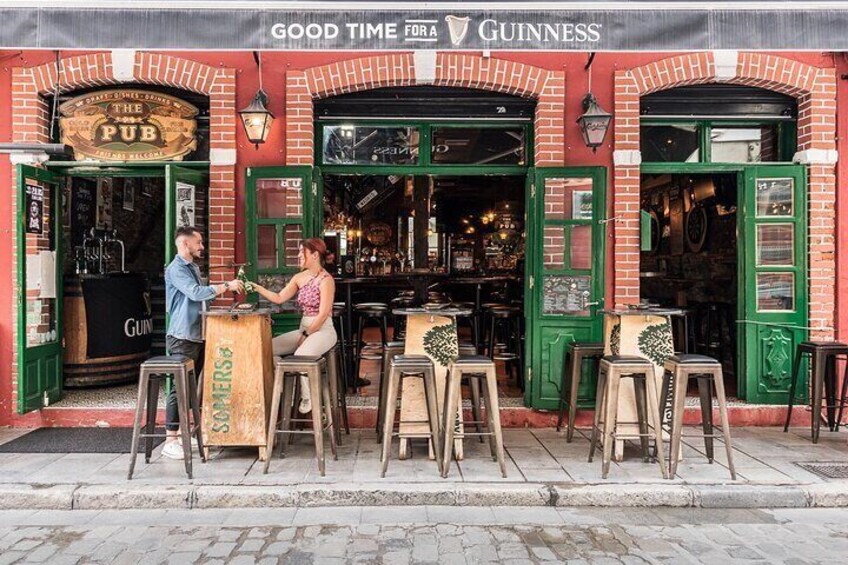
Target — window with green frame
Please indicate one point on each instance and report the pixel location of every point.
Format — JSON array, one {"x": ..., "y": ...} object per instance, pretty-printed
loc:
[
  {"x": 421, "y": 144},
  {"x": 717, "y": 141}
]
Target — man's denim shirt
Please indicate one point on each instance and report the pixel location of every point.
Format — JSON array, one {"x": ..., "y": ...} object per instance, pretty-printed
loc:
[{"x": 184, "y": 297}]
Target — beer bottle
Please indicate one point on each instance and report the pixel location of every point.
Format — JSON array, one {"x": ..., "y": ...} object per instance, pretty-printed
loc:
[{"x": 248, "y": 286}]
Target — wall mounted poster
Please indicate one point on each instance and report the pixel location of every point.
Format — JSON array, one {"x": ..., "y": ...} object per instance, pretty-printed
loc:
[
  {"x": 104, "y": 204},
  {"x": 35, "y": 209},
  {"x": 129, "y": 194},
  {"x": 185, "y": 204}
]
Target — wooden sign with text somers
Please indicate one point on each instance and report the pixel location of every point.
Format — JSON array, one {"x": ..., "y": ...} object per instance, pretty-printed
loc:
[{"x": 128, "y": 125}]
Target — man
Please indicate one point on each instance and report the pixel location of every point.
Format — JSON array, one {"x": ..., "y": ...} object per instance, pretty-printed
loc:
[{"x": 184, "y": 296}]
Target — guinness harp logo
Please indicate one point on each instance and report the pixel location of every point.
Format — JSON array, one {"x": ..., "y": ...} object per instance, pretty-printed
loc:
[{"x": 458, "y": 28}]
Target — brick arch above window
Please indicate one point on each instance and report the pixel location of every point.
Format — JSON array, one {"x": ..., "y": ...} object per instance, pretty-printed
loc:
[
  {"x": 450, "y": 69},
  {"x": 815, "y": 90}
]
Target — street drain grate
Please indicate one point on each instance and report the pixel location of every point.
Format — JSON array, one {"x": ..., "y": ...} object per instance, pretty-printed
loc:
[{"x": 827, "y": 470}]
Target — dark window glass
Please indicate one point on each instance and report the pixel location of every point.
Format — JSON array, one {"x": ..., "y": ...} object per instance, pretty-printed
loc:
[
  {"x": 370, "y": 145},
  {"x": 478, "y": 146},
  {"x": 676, "y": 143}
]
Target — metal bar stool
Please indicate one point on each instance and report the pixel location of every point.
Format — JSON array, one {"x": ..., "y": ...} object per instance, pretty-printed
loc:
[
  {"x": 340, "y": 321},
  {"x": 286, "y": 376},
  {"x": 678, "y": 370},
  {"x": 612, "y": 369},
  {"x": 823, "y": 355},
  {"x": 473, "y": 368},
  {"x": 575, "y": 355},
  {"x": 404, "y": 367},
  {"x": 338, "y": 391},
  {"x": 512, "y": 353},
  {"x": 392, "y": 348},
  {"x": 472, "y": 320},
  {"x": 368, "y": 312},
  {"x": 151, "y": 374}
]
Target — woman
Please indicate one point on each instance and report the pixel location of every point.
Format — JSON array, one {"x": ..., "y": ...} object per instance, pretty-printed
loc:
[{"x": 315, "y": 291}]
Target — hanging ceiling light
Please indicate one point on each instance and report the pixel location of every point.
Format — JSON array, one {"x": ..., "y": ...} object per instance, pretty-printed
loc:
[{"x": 256, "y": 117}]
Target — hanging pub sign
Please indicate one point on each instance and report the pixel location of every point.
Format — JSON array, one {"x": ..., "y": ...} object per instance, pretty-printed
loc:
[
  {"x": 35, "y": 209},
  {"x": 128, "y": 125}
]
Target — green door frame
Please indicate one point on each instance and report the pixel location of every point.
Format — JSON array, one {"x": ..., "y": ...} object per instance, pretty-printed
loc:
[
  {"x": 748, "y": 352},
  {"x": 281, "y": 322},
  {"x": 549, "y": 334},
  {"x": 39, "y": 365}
]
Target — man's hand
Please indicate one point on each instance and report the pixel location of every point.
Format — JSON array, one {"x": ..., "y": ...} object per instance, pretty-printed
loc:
[{"x": 236, "y": 286}]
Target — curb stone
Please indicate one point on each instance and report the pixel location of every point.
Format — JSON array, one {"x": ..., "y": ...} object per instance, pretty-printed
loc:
[
  {"x": 750, "y": 496},
  {"x": 188, "y": 496},
  {"x": 634, "y": 495},
  {"x": 37, "y": 497},
  {"x": 107, "y": 497}
]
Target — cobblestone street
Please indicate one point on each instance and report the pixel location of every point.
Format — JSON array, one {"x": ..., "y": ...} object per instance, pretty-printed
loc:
[{"x": 395, "y": 535}]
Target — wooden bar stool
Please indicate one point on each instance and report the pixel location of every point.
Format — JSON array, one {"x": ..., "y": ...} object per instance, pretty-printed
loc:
[
  {"x": 823, "y": 355},
  {"x": 612, "y": 369},
  {"x": 678, "y": 370},
  {"x": 575, "y": 354},
  {"x": 404, "y": 367},
  {"x": 286, "y": 382},
  {"x": 474, "y": 368},
  {"x": 467, "y": 349},
  {"x": 392, "y": 348},
  {"x": 151, "y": 374}
]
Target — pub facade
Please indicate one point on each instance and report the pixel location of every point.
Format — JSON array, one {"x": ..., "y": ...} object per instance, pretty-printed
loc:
[{"x": 448, "y": 142}]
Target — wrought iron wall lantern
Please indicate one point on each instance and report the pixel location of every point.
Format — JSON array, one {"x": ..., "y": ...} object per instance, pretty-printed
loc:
[
  {"x": 594, "y": 122},
  {"x": 256, "y": 117}
]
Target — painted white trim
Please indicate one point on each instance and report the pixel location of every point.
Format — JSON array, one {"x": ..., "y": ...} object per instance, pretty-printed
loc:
[
  {"x": 28, "y": 158},
  {"x": 123, "y": 64},
  {"x": 627, "y": 157},
  {"x": 222, "y": 157},
  {"x": 425, "y": 66},
  {"x": 726, "y": 64},
  {"x": 816, "y": 157}
]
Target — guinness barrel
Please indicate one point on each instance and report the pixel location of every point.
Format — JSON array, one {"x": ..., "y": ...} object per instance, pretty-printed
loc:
[{"x": 108, "y": 328}]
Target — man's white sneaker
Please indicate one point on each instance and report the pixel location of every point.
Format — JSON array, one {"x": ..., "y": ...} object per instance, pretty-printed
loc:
[
  {"x": 305, "y": 406},
  {"x": 172, "y": 450}
]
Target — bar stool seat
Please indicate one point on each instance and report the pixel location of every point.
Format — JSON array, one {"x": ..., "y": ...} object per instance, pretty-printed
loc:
[
  {"x": 612, "y": 369},
  {"x": 283, "y": 401},
  {"x": 823, "y": 356},
  {"x": 402, "y": 367},
  {"x": 678, "y": 370},
  {"x": 473, "y": 368},
  {"x": 575, "y": 355},
  {"x": 152, "y": 374}
]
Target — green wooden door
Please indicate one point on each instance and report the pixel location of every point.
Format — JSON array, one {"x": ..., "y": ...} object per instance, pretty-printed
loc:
[
  {"x": 565, "y": 287},
  {"x": 773, "y": 276},
  {"x": 39, "y": 239},
  {"x": 279, "y": 216},
  {"x": 182, "y": 188}
]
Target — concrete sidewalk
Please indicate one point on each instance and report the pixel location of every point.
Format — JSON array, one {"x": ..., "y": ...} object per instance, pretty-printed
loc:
[{"x": 543, "y": 470}]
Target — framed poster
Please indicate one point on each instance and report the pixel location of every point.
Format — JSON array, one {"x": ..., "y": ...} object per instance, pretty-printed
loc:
[
  {"x": 185, "y": 204},
  {"x": 129, "y": 194},
  {"x": 104, "y": 204},
  {"x": 34, "y": 209}
]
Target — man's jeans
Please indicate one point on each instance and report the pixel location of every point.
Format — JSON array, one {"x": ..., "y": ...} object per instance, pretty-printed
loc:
[{"x": 193, "y": 350}]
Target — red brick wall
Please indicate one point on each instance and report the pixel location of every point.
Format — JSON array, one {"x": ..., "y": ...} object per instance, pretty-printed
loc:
[
  {"x": 452, "y": 69},
  {"x": 31, "y": 123},
  {"x": 815, "y": 89}
]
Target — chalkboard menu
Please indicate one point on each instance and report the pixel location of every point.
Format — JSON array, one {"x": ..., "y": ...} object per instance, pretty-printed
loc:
[
  {"x": 83, "y": 207},
  {"x": 563, "y": 294}
]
